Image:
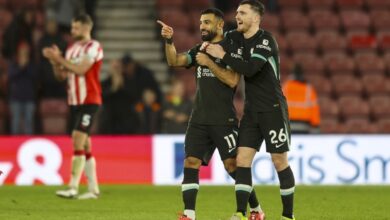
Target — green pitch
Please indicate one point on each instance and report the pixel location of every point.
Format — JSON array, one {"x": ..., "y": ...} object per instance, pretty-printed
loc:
[{"x": 214, "y": 202}]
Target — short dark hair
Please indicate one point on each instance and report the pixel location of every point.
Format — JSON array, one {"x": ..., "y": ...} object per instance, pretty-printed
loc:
[
  {"x": 256, "y": 5},
  {"x": 215, "y": 11},
  {"x": 83, "y": 19}
]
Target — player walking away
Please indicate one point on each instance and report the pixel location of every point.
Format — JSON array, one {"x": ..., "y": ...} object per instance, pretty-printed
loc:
[
  {"x": 81, "y": 67},
  {"x": 254, "y": 53},
  {"x": 213, "y": 122}
]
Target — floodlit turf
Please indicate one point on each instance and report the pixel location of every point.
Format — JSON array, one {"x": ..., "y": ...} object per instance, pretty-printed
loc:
[{"x": 214, "y": 202}]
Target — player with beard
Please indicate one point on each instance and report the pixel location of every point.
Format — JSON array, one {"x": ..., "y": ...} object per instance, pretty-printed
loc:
[
  {"x": 213, "y": 122},
  {"x": 254, "y": 53},
  {"x": 81, "y": 67}
]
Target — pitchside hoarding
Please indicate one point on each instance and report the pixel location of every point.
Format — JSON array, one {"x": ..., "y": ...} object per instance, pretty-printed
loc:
[{"x": 320, "y": 159}]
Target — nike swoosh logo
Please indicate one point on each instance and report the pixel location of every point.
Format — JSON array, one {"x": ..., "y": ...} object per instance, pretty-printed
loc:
[
  {"x": 235, "y": 132},
  {"x": 279, "y": 145},
  {"x": 232, "y": 149}
]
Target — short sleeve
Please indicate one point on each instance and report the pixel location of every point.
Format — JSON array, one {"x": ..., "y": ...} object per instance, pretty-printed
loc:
[{"x": 94, "y": 51}]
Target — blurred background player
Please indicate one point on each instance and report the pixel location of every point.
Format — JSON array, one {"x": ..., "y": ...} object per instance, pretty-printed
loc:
[
  {"x": 213, "y": 122},
  {"x": 303, "y": 108},
  {"x": 81, "y": 66}
]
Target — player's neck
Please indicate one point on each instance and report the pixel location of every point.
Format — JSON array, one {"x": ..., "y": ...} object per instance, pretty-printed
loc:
[
  {"x": 251, "y": 32},
  {"x": 85, "y": 39},
  {"x": 217, "y": 38}
]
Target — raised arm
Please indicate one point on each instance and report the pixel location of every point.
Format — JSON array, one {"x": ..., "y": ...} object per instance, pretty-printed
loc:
[
  {"x": 227, "y": 76},
  {"x": 173, "y": 58}
]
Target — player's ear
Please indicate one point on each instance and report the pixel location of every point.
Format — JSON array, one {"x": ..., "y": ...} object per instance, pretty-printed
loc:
[{"x": 221, "y": 23}]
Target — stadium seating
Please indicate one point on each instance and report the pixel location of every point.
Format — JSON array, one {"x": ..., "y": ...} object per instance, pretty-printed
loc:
[
  {"x": 380, "y": 19},
  {"x": 169, "y": 3},
  {"x": 370, "y": 63},
  {"x": 320, "y": 4},
  {"x": 301, "y": 42},
  {"x": 294, "y": 20},
  {"x": 339, "y": 63},
  {"x": 330, "y": 125},
  {"x": 380, "y": 106},
  {"x": 346, "y": 85},
  {"x": 384, "y": 126},
  {"x": 330, "y": 41},
  {"x": 352, "y": 106},
  {"x": 291, "y": 4},
  {"x": 359, "y": 126},
  {"x": 362, "y": 42},
  {"x": 375, "y": 84},
  {"x": 324, "y": 20},
  {"x": 355, "y": 20},
  {"x": 349, "y": 4},
  {"x": 320, "y": 83},
  {"x": 329, "y": 107},
  {"x": 311, "y": 63},
  {"x": 54, "y": 115},
  {"x": 378, "y": 4}
]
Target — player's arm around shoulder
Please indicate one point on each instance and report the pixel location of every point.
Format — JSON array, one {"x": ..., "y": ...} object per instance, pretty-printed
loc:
[
  {"x": 226, "y": 75},
  {"x": 173, "y": 58}
]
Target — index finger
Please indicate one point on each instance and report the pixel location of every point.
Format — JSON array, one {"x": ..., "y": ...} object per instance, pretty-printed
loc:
[{"x": 161, "y": 23}]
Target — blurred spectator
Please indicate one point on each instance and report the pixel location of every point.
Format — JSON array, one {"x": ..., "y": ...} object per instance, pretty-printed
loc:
[
  {"x": 303, "y": 108},
  {"x": 122, "y": 92},
  {"x": 22, "y": 91},
  {"x": 20, "y": 30},
  {"x": 176, "y": 110},
  {"x": 64, "y": 11},
  {"x": 118, "y": 114},
  {"x": 149, "y": 113},
  {"x": 138, "y": 77},
  {"x": 50, "y": 86}
]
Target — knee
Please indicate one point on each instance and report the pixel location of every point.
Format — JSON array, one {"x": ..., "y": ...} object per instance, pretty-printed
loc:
[
  {"x": 243, "y": 160},
  {"x": 192, "y": 162},
  {"x": 280, "y": 161},
  {"x": 230, "y": 165}
]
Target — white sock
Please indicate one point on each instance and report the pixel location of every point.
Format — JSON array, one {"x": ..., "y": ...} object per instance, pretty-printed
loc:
[
  {"x": 90, "y": 172},
  {"x": 78, "y": 163},
  {"x": 257, "y": 209},
  {"x": 190, "y": 213}
]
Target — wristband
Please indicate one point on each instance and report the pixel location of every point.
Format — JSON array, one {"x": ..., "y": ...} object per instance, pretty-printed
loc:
[{"x": 169, "y": 41}]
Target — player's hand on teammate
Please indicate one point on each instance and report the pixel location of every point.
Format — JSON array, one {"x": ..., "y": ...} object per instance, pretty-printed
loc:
[
  {"x": 203, "y": 59},
  {"x": 166, "y": 30},
  {"x": 215, "y": 50}
]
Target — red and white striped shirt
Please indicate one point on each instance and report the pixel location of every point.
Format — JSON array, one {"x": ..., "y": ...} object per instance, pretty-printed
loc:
[{"x": 85, "y": 89}]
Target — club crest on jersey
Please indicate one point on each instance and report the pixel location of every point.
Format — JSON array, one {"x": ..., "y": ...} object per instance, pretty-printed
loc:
[{"x": 265, "y": 42}]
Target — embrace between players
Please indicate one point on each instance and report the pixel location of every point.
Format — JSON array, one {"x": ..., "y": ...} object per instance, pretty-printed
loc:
[{"x": 219, "y": 62}]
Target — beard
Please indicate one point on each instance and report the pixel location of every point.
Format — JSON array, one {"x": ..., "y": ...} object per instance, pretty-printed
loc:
[{"x": 209, "y": 36}]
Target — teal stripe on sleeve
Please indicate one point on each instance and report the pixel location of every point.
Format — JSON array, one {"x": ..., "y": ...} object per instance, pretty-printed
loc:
[{"x": 259, "y": 56}]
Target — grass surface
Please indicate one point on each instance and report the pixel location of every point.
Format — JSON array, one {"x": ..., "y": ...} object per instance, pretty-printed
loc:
[{"x": 134, "y": 202}]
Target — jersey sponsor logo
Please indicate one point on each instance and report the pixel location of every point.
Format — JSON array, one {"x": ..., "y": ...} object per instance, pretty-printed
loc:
[
  {"x": 260, "y": 46},
  {"x": 203, "y": 72},
  {"x": 238, "y": 56}
]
